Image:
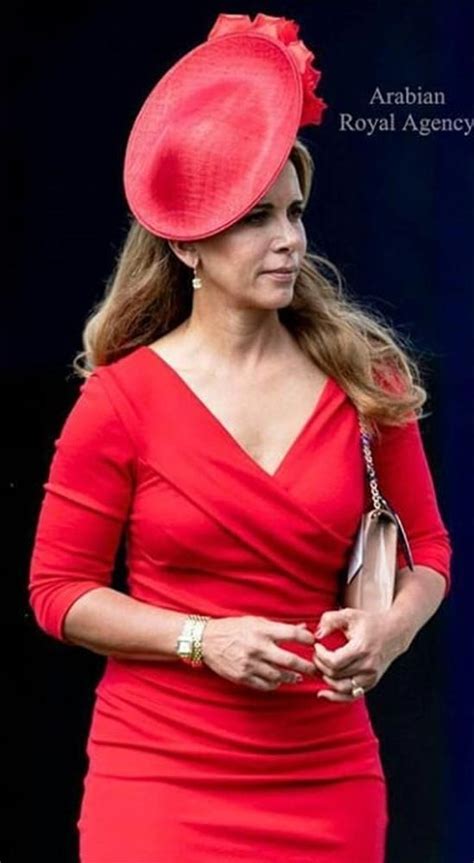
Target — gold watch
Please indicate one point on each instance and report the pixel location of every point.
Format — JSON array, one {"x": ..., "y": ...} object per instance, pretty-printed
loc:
[{"x": 189, "y": 643}]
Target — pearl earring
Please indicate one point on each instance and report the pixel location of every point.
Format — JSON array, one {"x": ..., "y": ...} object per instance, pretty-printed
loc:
[{"x": 197, "y": 282}]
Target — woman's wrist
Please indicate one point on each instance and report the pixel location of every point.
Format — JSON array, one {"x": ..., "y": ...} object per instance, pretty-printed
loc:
[
  {"x": 189, "y": 641},
  {"x": 400, "y": 629}
]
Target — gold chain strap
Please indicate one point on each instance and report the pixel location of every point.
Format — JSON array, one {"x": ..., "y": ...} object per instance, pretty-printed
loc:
[
  {"x": 377, "y": 499},
  {"x": 379, "y": 502}
]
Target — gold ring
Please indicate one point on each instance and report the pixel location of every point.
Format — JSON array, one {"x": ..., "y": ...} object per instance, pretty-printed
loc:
[{"x": 356, "y": 689}]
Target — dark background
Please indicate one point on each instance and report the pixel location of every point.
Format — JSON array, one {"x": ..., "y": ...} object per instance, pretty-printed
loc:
[{"x": 394, "y": 211}]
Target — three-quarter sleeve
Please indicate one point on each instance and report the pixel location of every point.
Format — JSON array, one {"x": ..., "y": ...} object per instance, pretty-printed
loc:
[
  {"x": 87, "y": 499},
  {"x": 405, "y": 480}
]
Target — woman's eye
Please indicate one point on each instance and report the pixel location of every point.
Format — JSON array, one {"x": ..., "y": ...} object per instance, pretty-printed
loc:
[
  {"x": 257, "y": 218},
  {"x": 298, "y": 213}
]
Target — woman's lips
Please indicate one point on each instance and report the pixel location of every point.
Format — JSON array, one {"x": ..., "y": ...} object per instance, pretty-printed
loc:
[{"x": 280, "y": 277}]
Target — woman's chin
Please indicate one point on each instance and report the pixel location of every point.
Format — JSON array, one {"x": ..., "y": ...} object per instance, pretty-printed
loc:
[{"x": 281, "y": 298}]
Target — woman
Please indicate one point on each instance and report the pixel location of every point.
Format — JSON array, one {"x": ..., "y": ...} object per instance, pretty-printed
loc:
[{"x": 218, "y": 428}]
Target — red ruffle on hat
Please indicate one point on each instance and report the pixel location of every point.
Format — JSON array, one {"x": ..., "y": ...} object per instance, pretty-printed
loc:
[{"x": 217, "y": 129}]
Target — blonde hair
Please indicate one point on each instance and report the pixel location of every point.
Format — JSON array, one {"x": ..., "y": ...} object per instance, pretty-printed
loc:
[{"x": 150, "y": 293}]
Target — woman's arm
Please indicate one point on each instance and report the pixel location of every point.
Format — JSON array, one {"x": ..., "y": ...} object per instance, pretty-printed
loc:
[
  {"x": 88, "y": 497},
  {"x": 418, "y": 595},
  {"x": 243, "y": 649},
  {"x": 86, "y": 507},
  {"x": 114, "y": 624},
  {"x": 375, "y": 640}
]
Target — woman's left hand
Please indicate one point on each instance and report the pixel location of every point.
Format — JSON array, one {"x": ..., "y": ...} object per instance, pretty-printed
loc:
[{"x": 374, "y": 640}]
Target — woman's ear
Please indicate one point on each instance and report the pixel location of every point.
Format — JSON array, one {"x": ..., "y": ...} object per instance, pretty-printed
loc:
[{"x": 186, "y": 252}]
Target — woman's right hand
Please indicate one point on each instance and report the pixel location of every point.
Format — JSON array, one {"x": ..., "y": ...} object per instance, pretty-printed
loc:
[{"x": 244, "y": 650}]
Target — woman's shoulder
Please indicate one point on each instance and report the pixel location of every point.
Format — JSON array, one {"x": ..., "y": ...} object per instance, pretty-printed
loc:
[
  {"x": 167, "y": 347},
  {"x": 113, "y": 394},
  {"x": 127, "y": 370}
]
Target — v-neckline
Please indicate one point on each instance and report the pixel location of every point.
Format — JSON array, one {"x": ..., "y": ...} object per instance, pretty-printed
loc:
[{"x": 229, "y": 436}]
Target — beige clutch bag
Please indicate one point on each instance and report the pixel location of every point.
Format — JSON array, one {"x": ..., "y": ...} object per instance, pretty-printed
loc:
[{"x": 372, "y": 567}]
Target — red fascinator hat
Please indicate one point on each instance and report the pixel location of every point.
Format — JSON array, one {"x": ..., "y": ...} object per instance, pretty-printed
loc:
[{"x": 217, "y": 129}]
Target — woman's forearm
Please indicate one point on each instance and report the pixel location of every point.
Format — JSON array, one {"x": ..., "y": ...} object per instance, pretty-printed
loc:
[
  {"x": 114, "y": 624},
  {"x": 418, "y": 595}
]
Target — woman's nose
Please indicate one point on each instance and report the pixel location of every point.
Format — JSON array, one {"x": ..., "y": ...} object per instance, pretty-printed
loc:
[{"x": 288, "y": 234}]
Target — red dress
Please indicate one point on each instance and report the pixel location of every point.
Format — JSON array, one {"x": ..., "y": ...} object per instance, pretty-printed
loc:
[{"x": 183, "y": 763}]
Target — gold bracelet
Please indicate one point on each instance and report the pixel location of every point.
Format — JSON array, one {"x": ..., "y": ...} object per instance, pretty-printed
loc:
[{"x": 198, "y": 630}]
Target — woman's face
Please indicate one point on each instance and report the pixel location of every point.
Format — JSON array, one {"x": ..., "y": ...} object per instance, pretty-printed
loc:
[{"x": 239, "y": 261}]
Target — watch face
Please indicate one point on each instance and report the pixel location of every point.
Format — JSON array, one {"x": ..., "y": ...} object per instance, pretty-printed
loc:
[{"x": 185, "y": 646}]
